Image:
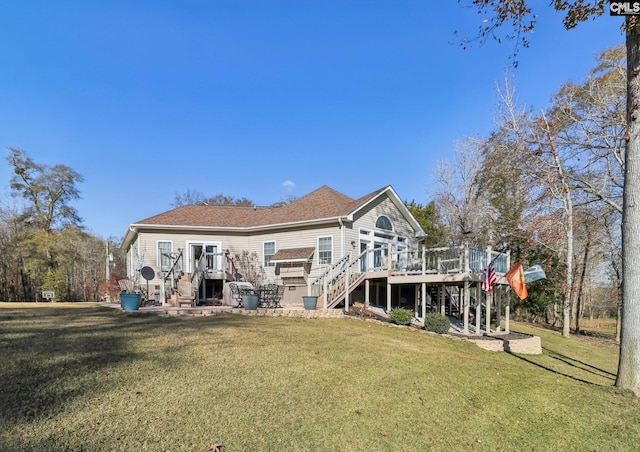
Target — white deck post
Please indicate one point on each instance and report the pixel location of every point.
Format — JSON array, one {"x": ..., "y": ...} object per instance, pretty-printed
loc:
[
  {"x": 346, "y": 287},
  {"x": 478, "y": 307},
  {"x": 163, "y": 294},
  {"x": 488, "y": 312},
  {"x": 325, "y": 283},
  {"x": 488, "y": 297},
  {"x": 366, "y": 293},
  {"x": 498, "y": 309},
  {"x": 466, "y": 298},
  {"x": 388, "y": 296},
  {"x": 424, "y": 300},
  {"x": 442, "y": 299},
  {"x": 506, "y": 311},
  {"x": 466, "y": 259}
]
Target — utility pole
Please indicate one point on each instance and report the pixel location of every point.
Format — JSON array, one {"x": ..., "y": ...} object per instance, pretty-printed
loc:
[{"x": 107, "y": 275}]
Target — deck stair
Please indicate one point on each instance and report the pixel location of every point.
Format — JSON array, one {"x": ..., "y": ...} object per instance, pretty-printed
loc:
[
  {"x": 331, "y": 287},
  {"x": 338, "y": 291}
]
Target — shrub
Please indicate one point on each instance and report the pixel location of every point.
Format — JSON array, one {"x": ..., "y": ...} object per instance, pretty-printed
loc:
[
  {"x": 401, "y": 316},
  {"x": 437, "y": 323}
]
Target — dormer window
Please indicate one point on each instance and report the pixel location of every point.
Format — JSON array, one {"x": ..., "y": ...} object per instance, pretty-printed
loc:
[{"x": 383, "y": 222}]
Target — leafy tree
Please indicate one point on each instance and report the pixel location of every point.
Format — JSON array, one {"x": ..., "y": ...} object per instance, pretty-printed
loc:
[
  {"x": 428, "y": 218},
  {"x": 42, "y": 244},
  {"x": 46, "y": 190}
]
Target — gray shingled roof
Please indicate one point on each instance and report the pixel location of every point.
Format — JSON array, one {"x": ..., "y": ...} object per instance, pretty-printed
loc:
[{"x": 319, "y": 204}]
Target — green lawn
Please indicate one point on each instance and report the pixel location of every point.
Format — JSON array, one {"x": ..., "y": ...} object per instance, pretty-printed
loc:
[{"x": 77, "y": 377}]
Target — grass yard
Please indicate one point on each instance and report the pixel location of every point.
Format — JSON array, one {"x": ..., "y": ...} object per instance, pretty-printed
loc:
[{"x": 80, "y": 377}]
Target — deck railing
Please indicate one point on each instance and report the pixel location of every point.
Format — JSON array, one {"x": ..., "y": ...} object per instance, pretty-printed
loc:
[{"x": 332, "y": 283}]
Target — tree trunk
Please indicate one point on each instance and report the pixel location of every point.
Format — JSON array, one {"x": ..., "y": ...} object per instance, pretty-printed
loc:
[
  {"x": 629, "y": 362},
  {"x": 579, "y": 302}
]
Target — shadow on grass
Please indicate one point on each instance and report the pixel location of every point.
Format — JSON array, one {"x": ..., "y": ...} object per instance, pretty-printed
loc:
[
  {"x": 579, "y": 364},
  {"x": 52, "y": 356},
  {"x": 570, "y": 363}
]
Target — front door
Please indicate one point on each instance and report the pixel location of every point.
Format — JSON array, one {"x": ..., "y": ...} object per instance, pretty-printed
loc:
[{"x": 204, "y": 256}]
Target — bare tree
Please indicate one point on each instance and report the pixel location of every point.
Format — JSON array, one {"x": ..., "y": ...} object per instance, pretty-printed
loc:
[
  {"x": 192, "y": 197},
  {"x": 458, "y": 197}
]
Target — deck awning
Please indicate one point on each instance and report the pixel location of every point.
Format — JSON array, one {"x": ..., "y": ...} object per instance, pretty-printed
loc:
[{"x": 291, "y": 255}]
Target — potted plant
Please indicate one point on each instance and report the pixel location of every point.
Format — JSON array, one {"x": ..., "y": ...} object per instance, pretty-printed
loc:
[
  {"x": 130, "y": 299},
  {"x": 309, "y": 302},
  {"x": 250, "y": 300}
]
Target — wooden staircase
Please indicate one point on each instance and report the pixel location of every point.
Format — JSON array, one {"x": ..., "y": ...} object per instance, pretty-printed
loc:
[{"x": 335, "y": 283}]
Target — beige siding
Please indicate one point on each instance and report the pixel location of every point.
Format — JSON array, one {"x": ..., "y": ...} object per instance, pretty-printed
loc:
[
  {"x": 300, "y": 238},
  {"x": 146, "y": 246},
  {"x": 384, "y": 206},
  {"x": 345, "y": 240}
]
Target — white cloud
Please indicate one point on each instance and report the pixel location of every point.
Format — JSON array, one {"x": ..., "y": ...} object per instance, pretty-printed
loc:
[{"x": 289, "y": 185}]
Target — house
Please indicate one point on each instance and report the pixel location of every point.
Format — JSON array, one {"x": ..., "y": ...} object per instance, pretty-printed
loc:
[
  {"x": 326, "y": 244},
  {"x": 292, "y": 244}
]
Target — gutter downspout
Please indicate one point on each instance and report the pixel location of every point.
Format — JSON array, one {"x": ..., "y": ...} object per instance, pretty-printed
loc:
[{"x": 341, "y": 237}]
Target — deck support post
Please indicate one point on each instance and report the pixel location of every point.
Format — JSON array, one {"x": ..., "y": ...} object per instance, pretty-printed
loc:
[
  {"x": 498, "y": 309},
  {"x": 424, "y": 300},
  {"x": 487, "y": 314},
  {"x": 507, "y": 307},
  {"x": 388, "y": 296},
  {"x": 367, "y": 287},
  {"x": 163, "y": 293},
  {"x": 478, "y": 308},
  {"x": 347, "y": 287},
  {"x": 466, "y": 297},
  {"x": 442, "y": 295}
]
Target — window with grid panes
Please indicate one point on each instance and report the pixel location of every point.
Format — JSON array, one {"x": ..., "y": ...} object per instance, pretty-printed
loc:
[
  {"x": 268, "y": 250},
  {"x": 325, "y": 250}
]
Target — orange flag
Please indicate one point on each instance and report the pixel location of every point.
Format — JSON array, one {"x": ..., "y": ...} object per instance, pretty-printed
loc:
[{"x": 515, "y": 278}]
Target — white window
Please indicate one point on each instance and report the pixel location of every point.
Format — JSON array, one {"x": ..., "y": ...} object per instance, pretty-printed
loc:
[
  {"x": 325, "y": 250},
  {"x": 268, "y": 250},
  {"x": 165, "y": 248}
]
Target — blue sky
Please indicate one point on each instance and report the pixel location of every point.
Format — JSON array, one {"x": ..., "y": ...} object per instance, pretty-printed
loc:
[{"x": 259, "y": 99}]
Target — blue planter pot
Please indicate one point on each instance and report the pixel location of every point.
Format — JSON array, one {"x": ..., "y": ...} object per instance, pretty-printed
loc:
[
  {"x": 130, "y": 301},
  {"x": 310, "y": 303},
  {"x": 250, "y": 302}
]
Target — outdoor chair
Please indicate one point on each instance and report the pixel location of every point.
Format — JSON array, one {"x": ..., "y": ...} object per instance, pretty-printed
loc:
[
  {"x": 268, "y": 294},
  {"x": 186, "y": 294},
  {"x": 279, "y": 295},
  {"x": 126, "y": 285}
]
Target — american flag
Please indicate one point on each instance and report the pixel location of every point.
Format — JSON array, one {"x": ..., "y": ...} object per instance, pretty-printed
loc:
[{"x": 489, "y": 278}]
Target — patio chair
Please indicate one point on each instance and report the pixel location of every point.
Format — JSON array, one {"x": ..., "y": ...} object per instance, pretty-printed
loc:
[
  {"x": 186, "y": 294},
  {"x": 278, "y": 296},
  {"x": 268, "y": 294},
  {"x": 126, "y": 285}
]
